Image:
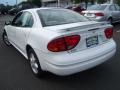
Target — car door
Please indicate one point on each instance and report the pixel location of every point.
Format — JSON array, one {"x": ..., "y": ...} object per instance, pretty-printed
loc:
[
  {"x": 11, "y": 29},
  {"x": 22, "y": 32},
  {"x": 114, "y": 13}
]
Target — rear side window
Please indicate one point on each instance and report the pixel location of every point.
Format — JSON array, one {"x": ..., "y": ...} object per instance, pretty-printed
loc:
[
  {"x": 112, "y": 8},
  {"x": 117, "y": 7},
  {"x": 51, "y": 17},
  {"x": 17, "y": 21},
  {"x": 97, "y": 7},
  {"x": 31, "y": 22},
  {"x": 27, "y": 20}
]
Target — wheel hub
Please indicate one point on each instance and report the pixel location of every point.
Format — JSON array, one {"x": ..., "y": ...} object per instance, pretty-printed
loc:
[{"x": 33, "y": 63}]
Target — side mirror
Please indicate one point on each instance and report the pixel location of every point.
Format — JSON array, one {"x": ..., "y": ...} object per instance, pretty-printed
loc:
[{"x": 8, "y": 23}]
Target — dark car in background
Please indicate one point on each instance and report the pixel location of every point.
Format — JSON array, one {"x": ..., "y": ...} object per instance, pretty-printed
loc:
[
  {"x": 4, "y": 9},
  {"x": 76, "y": 7},
  {"x": 79, "y": 8},
  {"x": 21, "y": 7}
]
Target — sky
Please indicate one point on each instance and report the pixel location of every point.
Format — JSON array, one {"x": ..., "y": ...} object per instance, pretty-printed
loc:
[{"x": 10, "y": 2}]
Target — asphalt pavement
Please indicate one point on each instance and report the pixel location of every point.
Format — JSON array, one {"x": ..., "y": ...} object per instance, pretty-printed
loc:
[{"x": 15, "y": 73}]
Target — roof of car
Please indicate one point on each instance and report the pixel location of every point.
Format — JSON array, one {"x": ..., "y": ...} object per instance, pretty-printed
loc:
[{"x": 107, "y": 4}]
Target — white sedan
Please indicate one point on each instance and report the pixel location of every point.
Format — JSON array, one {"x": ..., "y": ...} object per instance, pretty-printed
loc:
[{"x": 59, "y": 40}]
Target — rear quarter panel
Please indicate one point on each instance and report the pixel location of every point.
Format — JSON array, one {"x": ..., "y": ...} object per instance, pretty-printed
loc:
[{"x": 39, "y": 38}]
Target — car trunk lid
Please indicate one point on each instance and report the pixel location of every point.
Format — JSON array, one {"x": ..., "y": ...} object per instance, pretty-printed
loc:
[{"x": 92, "y": 33}]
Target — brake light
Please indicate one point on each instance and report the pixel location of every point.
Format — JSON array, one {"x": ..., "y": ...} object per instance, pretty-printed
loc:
[
  {"x": 63, "y": 43},
  {"x": 99, "y": 14},
  {"x": 108, "y": 33}
]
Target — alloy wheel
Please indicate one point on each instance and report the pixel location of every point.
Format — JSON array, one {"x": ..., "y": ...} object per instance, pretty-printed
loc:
[{"x": 33, "y": 63}]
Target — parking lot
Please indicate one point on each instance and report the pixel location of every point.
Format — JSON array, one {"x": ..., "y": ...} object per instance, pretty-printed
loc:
[{"x": 15, "y": 73}]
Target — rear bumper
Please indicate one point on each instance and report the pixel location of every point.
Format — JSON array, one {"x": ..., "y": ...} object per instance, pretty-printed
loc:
[
  {"x": 75, "y": 68},
  {"x": 66, "y": 64}
]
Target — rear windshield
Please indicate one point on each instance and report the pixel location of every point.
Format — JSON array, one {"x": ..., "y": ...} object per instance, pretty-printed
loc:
[
  {"x": 97, "y": 7},
  {"x": 51, "y": 17}
]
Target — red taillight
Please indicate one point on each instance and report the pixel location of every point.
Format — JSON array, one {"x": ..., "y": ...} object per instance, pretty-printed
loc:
[
  {"x": 109, "y": 33},
  {"x": 72, "y": 41},
  {"x": 99, "y": 14},
  {"x": 63, "y": 43}
]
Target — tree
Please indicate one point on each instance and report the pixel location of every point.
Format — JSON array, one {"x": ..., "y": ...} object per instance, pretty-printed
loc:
[
  {"x": 86, "y": 1},
  {"x": 101, "y": 1},
  {"x": 36, "y": 2},
  {"x": 118, "y": 2}
]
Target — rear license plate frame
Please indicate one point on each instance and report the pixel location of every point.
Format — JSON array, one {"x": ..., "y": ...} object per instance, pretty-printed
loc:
[{"x": 92, "y": 41}]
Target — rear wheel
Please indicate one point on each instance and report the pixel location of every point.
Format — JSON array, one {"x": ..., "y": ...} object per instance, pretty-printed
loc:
[
  {"x": 34, "y": 63},
  {"x": 5, "y": 39}
]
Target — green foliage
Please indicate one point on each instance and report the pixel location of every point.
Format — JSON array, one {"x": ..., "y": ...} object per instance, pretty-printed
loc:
[
  {"x": 37, "y": 2},
  {"x": 118, "y": 2},
  {"x": 79, "y": 1},
  {"x": 101, "y": 1},
  {"x": 76, "y": 1}
]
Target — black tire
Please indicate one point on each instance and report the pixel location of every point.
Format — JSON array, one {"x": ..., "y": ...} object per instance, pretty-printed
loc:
[
  {"x": 5, "y": 39},
  {"x": 110, "y": 20},
  {"x": 38, "y": 72}
]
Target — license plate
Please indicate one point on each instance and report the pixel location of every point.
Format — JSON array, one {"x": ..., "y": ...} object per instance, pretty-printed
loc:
[{"x": 92, "y": 41}]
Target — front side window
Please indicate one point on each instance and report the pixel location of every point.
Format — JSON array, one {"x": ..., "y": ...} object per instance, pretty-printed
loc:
[
  {"x": 51, "y": 17},
  {"x": 17, "y": 21}
]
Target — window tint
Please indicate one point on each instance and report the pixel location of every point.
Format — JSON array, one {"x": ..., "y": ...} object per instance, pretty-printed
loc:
[
  {"x": 51, "y": 17},
  {"x": 112, "y": 8}
]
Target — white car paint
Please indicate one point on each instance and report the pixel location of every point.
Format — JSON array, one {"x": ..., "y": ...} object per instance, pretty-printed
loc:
[{"x": 67, "y": 62}]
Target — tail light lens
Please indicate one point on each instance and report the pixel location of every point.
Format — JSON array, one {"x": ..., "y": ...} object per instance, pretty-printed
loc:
[
  {"x": 63, "y": 43},
  {"x": 99, "y": 14},
  {"x": 108, "y": 33}
]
